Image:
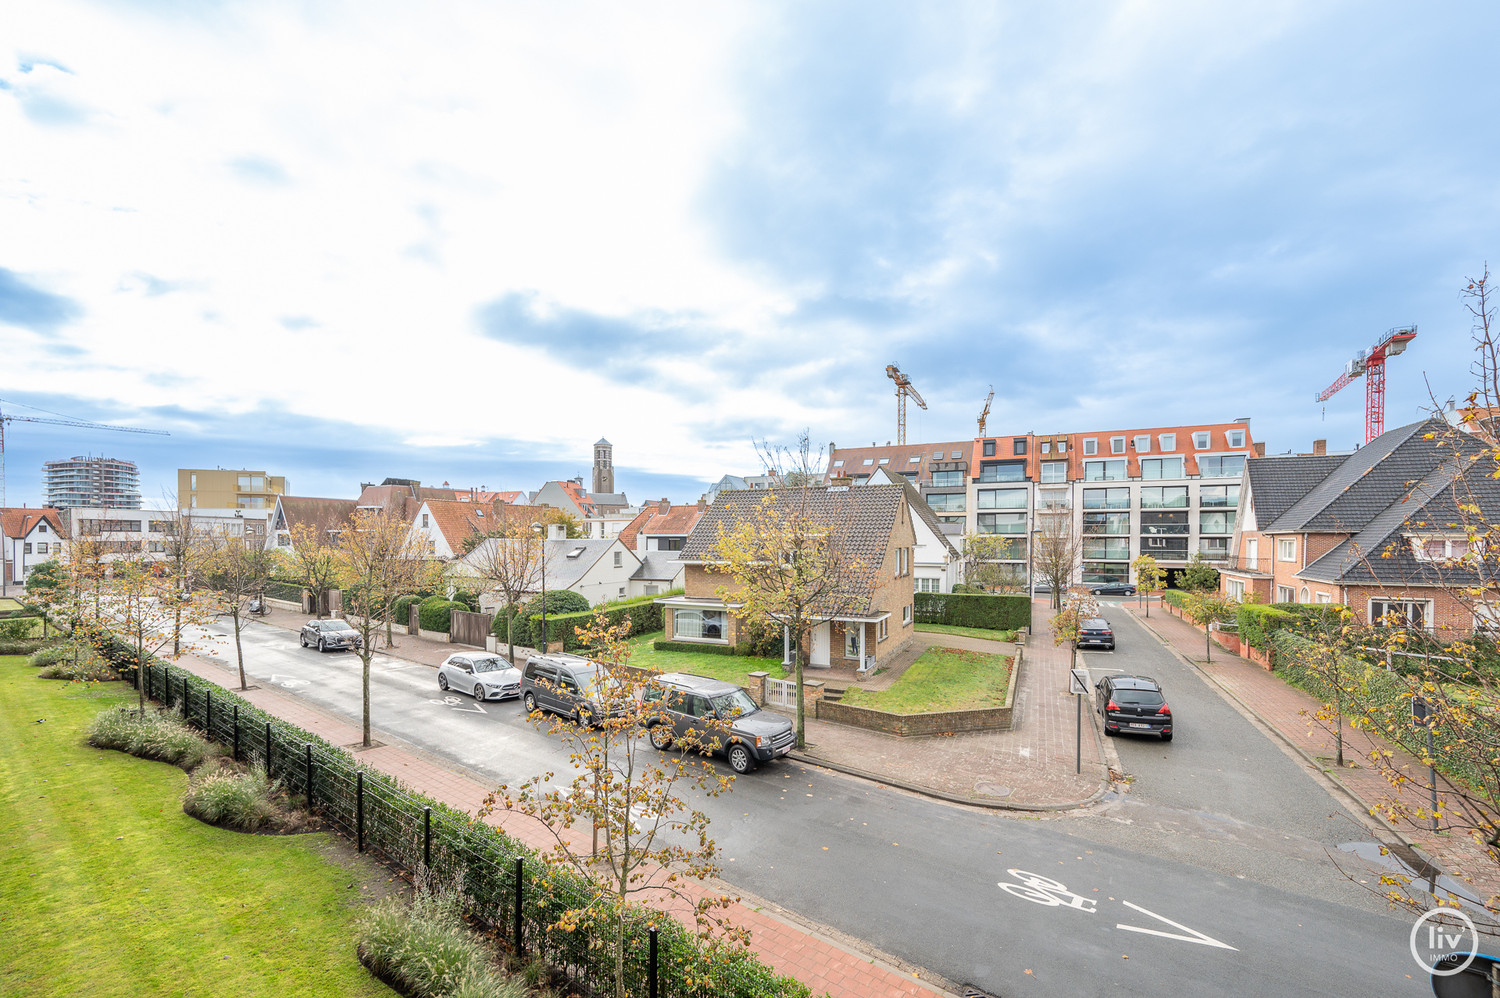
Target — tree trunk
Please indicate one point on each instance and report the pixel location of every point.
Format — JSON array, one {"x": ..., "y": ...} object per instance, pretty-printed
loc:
[
  {"x": 801, "y": 705},
  {"x": 365, "y": 683},
  {"x": 239, "y": 652},
  {"x": 510, "y": 638}
]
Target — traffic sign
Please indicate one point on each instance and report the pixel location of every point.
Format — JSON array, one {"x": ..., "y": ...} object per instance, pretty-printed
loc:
[{"x": 1078, "y": 682}]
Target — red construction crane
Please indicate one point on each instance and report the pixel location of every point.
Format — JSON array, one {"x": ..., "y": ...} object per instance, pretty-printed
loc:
[{"x": 1371, "y": 364}]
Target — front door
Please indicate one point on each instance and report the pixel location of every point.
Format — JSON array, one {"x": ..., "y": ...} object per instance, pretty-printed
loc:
[{"x": 821, "y": 640}]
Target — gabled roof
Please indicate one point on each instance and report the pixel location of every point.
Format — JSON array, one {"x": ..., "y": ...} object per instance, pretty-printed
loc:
[
  {"x": 926, "y": 515},
  {"x": 20, "y": 522},
  {"x": 658, "y": 566},
  {"x": 1366, "y": 482},
  {"x": 863, "y": 517},
  {"x": 457, "y": 520},
  {"x": 568, "y": 561},
  {"x": 325, "y": 514},
  {"x": 677, "y": 521},
  {"x": 1278, "y": 481},
  {"x": 609, "y": 499}
]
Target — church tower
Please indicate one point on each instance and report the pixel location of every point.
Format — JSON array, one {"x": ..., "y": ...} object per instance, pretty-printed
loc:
[{"x": 604, "y": 467}]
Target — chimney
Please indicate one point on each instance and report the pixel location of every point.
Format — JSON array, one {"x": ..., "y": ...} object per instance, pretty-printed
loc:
[
  {"x": 702, "y": 504},
  {"x": 557, "y": 532},
  {"x": 1320, "y": 448},
  {"x": 1260, "y": 449},
  {"x": 664, "y": 507}
]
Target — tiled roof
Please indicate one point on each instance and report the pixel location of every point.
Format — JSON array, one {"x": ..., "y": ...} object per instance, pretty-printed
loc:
[
  {"x": 325, "y": 514},
  {"x": 1365, "y": 483},
  {"x": 18, "y": 522},
  {"x": 658, "y": 566},
  {"x": 863, "y": 517},
  {"x": 678, "y": 521},
  {"x": 457, "y": 520},
  {"x": 898, "y": 457},
  {"x": 1278, "y": 481}
]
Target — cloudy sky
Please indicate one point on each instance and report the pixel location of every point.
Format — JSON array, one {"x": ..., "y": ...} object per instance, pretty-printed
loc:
[{"x": 460, "y": 242}]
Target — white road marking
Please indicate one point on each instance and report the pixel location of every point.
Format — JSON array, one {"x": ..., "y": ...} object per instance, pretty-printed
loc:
[
  {"x": 288, "y": 681},
  {"x": 1193, "y": 935}
]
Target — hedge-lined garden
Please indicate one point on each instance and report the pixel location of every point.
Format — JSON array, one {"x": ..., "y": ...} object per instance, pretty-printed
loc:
[
  {"x": 990, "y": 611},
  {"x": 567, "y": 611}
]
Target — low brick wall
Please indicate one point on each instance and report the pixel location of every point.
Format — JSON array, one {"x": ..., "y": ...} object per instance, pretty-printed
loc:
[{"x": 941, "y": 722}]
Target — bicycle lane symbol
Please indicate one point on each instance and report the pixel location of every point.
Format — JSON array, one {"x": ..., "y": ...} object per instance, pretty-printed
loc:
[{"x": 1054, "y": 894}]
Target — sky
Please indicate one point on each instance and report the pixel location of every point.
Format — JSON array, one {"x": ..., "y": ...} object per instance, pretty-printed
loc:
[{"x": 462, "y": 241}]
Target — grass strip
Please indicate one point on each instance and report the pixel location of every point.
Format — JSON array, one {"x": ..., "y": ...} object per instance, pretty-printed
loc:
[
  {"x": 109, "y": 889},
  {"x": 730, "y": 668},
  {"x": 967, "y": 632},
  {"x": 941, "y": 679}
]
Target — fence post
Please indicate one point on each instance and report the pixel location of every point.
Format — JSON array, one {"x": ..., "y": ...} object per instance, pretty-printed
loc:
[
  {"x": 208, "y": 714},
  {"x": 187, "y": 704},
  {"x": 651, "y": 967},
  {"x": 307, "y": 746},
  {"x": 427, "y": 838},
  {"x": 236, "y": 732},
  {"x": 359, "y": 809},
  {"x": 166, "y": 682},
  {"x": 520, "y": 896},
  {"x": 268, "y": 749},
  {"x": 148, "y": 683}
]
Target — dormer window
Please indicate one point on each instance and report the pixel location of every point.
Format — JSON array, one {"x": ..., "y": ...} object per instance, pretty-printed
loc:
[{"x": 1430, "y": 548}]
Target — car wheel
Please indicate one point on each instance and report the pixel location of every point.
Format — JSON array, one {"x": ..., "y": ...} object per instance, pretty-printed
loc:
[
  {"x": 661, "y": 738},
  {"x": 1110, "y": 734},
  {"x": 530, "y": 701},
  {"x": 302, "y": 638},
  {"x": 478, "y": 691},
  {"x": 1166, "y": 737},
  {"x": 442, "y": 682},
  {"x": 320, "y": 645},
  {"x": 740, "y": 759}
]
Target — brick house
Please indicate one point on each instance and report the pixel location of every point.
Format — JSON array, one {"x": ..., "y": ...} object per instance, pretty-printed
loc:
[
  {"x": 875, "y": 529},
  {"x": 1377, "y": 529}
]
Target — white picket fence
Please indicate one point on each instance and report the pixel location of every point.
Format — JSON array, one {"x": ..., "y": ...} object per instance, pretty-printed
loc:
[{"x": 781, "y": 693}]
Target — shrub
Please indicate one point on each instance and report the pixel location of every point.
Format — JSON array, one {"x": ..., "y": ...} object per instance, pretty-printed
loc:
[
  {"x": 50, "y": 654},
  {"x": 83, "y": 665},
  {"x": 558, "y": 602},
  {"x": 1176, "y": 597},
  {"x": 154, "y": 735},
  {"x": 992, "y": 611},
  {"x": 425, "y": 949},
  {"x": 23, "y": 647},
  {"x": 401, "y": 609},
  {"x": 1257, "y": 623},
  {"x": 663, "y": 644},
  {"x": 643, "y": 613},
  {"x": 436, "y": 613},
  {"x": 19, "y": 628},
  {"x": 242, "y": 801}
]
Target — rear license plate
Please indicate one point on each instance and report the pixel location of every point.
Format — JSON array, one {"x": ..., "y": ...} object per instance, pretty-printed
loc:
[{"x": 1138, "y": 724}]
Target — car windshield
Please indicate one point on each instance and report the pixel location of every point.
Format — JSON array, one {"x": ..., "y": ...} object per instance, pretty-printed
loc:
[
  {"x": 331, "y": 625},
  {"x": 1140, "y": 698},
  {"x": 734, "y": 704},
  {"x": 490, "y": 663}
]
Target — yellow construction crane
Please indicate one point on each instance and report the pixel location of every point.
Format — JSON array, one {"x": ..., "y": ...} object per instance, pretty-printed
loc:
[
  {"x": 986, "y": 414},
  {"x": 903, "y": 389}
]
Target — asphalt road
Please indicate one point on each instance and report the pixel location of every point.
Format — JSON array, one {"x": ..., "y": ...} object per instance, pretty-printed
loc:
[{"x": 922, "y": 880}]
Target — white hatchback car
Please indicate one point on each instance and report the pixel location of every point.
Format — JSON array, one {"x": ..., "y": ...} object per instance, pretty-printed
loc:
[{"x": 482, "y": 675}]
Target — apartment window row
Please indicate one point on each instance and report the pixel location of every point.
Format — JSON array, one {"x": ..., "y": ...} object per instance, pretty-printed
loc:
[
  {"x": 1002, "y": 498},
  {"x": 1202, "y": 440}
]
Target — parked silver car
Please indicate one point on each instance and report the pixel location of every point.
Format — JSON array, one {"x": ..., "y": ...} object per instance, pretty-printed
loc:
[
  {"x": 326, "y": 634},
  {"x": 481, "y": 675}
]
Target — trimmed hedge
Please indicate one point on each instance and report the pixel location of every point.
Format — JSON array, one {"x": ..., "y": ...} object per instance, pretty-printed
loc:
[
  {"x": 1176, "y": 597},
  {"x": 285, "y": 589},
  {"x": 664, "y": 644},
  {"x": 436, "y": 613},
  {"x": 643, "y": 613},
  {"x": 401, "y": 609},
  {"x": 1257, "y": 622},
  {"x": 991, "y": 611}
]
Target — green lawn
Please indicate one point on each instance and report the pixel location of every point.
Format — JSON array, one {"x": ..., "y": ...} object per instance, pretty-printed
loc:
[
  {"x": 108, "y": 888},
  {"x": 968, "y": 632},
  {"x": 730, "y": 668},
  {"x": 941, "y": 679},
  {"x": 6, "y": 603}
]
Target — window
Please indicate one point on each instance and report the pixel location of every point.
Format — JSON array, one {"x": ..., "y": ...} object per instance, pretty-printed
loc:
[
  {"x": 652, "y": 589},
  {"x": 193, "y": 481},
  {"x": 882, "y": 631},
  {"x": 1054, "y": 472},
  {"x": 1216, "y": 522},
  {"x": 884, "y": 461},
  {"x": 868, "y": 461},
  {"x": 1143, "y": 443},
  {"x": 698, "y": 625},
  {"x": 1235, "y": 588},
  {"x": 619, "y": 558},
  {"x": 1235, "y": 438},
  {"x": 622, "y": 592},
  {"x": 1286, "y": 549},
  {"x": 1161, "y": 467},
  {"x": 1106, "y": 548},
  {"x": 1284, "y": 594},
  {"x": 1019, "y": 446},
  {"x": 903, "y": 561},
  {"x": 283, "y": 541},
  {"x": 915, "y": 459},
  {"x": 1440, "y": 548},
  {"x": 954, "y": 456},
  {"x": 1104, "y": 471},
  {"x": 937, "y": 455},
  {"x": 906, "y": 615},
  {"x": 669, "y": 543},
  {"x": 1106, "y": 523},
  {"x": 950, "y": 502},
  {"x": 1046, "y": 447},
  {"x": 1214, "y": 548},
  {"x": 1226, "y": 466},
  {"x": 1090, "y": 446},
  {"x": 1117, "y": 445},
  {"x": 989, "y": 448},
  {"x": 1168, "y": 441},
  {"x": 838, "y": 464},
  {"x": 26, "y": 548},
  {"x": 1002, "y": 471},
  {"x": 852, "y": 633},
  {"x": 1303, "y": 598},
  {"x": 41, "y": 528},
  {"x": 424, "y": 519},
  {"x": 1002, "y": 499},
  {"x": 1324, "y": 598},
  {"x": 1002, "y": 523},
  {"x": 1052, "y": 499},
  {"x": 947, "y": 478},
  {"x": 41, "y": 548},
  {"x": 929, "y": 585},
  {"x": 1164, "y": 497},
  {"x": 1415, "y": 613},
  {"x": 156, "y": 547},
  {"x": 1486, "y": 617},
  {"x": 1106, "y": 498},
  {"x": 1105, "y": 571},
  {"x": 1201, "y": 440},
  {"x": 1252, "y": 552},
  {"x": 1219, "y": 495}
]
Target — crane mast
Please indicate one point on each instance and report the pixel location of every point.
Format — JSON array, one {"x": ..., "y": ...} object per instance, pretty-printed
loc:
[
  {"x": 904, "y": 388},
  {"x": 1370, "y": 364},
  {"x": 83, "y": 423},
  {"x": 986, "y": 413}
]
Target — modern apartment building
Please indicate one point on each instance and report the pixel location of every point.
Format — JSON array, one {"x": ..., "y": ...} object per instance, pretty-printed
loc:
[
  {"x": 1163, "y": 491},
  {"x": 92, "y": 481},
  {"x": 228, "y": 488}
]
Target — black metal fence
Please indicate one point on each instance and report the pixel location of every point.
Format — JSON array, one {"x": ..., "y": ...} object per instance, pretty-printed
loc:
[{"x": 505, "y": 882}]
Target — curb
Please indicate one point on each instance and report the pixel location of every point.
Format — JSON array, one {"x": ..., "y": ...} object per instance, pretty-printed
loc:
[
  {"x": 1364, "y": 809},
  {"x": 932, "y": 792}
]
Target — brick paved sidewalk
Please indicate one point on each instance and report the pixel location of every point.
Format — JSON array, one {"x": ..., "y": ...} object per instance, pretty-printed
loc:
[
  {"x": 788, "y": 948},
  {"x": 1290, "y": 713}
]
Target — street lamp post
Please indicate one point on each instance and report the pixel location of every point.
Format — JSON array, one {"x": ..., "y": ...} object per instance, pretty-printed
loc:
[{"x": 543, "y": 529}]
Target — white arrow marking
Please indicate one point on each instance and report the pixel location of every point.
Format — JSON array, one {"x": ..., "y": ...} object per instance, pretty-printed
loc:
[
  {"x": 474, "y": 709},
  {"x": 1193, "y": 935},
  {"x": 288, "y": 681}
]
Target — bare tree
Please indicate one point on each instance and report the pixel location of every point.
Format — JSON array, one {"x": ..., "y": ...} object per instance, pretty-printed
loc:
[
  {"x": 1057, "y": 551},
  {"x": 237, "y": 569},
  {"x": 315, "y": 558},
  {"x": 508, "y": 562}
]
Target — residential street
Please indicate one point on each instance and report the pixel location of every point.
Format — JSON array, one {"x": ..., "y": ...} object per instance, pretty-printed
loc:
[{"x": 1139, "y": 910}]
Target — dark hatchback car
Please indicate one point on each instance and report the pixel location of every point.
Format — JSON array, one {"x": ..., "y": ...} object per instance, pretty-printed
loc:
[
  {"x": 1133, "y": 704},
  {"x": 1095, "y": 632},
  {"x": 1113, "y": 589}
]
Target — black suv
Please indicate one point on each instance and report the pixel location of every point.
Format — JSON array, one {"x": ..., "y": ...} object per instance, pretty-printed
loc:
[
  {"x": 1095, "y": 632},
  {"x": 744, "y": 734},
  {"x": 1133, "y": 704}
]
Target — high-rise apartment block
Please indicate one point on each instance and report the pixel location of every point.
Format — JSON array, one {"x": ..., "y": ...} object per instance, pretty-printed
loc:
[
  {"x": 227, "y": 488},
  {"x": 92, "y": 481},
  {"x": 1168, "y": 492}
]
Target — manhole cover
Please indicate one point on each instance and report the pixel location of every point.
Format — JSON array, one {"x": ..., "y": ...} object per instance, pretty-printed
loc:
[
  {"x": 973, "y": 992},
  {"x": 992, "y": 790}
]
